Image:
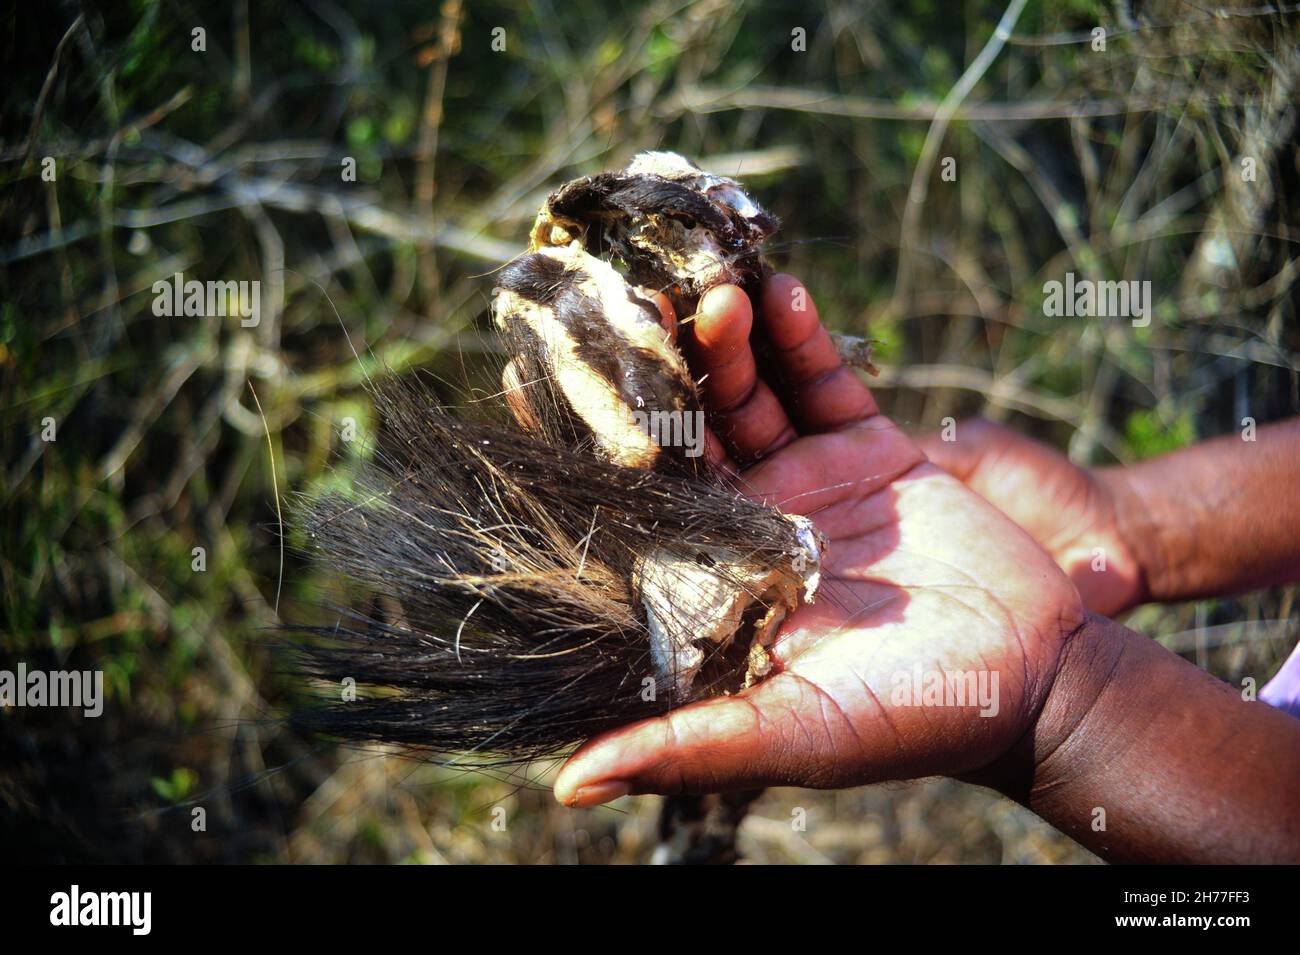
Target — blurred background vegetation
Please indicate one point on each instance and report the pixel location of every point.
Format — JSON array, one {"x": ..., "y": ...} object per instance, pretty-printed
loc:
[{"x": 226, "y": 163}]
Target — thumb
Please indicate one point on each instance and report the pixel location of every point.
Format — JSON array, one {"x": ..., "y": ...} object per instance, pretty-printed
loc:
[
  {"x": 960, "y": 448},
  {"x": 747, "y": 741},
  {"x": 956, "y": 458}
]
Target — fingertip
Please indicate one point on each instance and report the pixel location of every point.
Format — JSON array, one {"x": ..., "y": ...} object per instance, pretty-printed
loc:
[
  {"x": 724, "y": 318},
  {"x": 779, "y": 283},
  {"x": 569, "y": 782},
  {"x": 789, "y": 313},
  {"x": 591, "y": 775},
  {"x": 699, "y": 747},
  {"x": 595, "y": 794},
  {"x": 785, "y": 290}
]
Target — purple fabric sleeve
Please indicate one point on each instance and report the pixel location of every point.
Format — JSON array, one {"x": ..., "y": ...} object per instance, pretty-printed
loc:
[{"x": 1283, "y": 691}]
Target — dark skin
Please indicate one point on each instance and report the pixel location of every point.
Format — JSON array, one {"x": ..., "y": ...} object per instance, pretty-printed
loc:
[
  {"x": 1219, "y": 518},
  {"x": 923, "y": 570}
]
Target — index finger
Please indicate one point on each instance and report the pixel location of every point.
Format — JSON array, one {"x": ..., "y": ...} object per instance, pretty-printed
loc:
[
  {"x": 757, "y": 738},
  {"x": 821, "y": 392},
  {"x": 743, "y": 409}
]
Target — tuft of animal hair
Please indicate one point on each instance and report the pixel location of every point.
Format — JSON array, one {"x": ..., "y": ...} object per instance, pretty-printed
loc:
[{"x": 515, "y": 631}]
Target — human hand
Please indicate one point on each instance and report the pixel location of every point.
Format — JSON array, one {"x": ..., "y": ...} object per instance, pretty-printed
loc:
[
  {"x": 1072, "y": 512},
  {"x": 926, "y": 586}
]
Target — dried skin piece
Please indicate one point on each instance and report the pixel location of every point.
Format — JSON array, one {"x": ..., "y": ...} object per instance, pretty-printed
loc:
[
  {"x": 673, "y": 226},
  {"x": 700, "y": 606}
]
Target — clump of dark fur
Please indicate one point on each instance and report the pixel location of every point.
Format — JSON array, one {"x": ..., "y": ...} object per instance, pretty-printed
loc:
[
  {"x": 512, "y": 631},
  {"x": 607, "y": 205}
]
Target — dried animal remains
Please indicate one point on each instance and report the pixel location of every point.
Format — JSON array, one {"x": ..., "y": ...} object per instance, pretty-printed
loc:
[{"x": 576, "y": 564}]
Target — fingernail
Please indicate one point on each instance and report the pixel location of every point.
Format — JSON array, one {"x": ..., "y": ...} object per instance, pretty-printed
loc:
[{"x": 598, "y": 793}]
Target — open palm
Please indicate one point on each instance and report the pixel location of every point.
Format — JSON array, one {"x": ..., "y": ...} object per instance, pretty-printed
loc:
[{"x": 936, "y": 634}]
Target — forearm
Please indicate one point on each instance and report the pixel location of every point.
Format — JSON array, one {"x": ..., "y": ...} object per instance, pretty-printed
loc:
[
  {"x": 1220, "y": 517},
  {"x": 1172, "y": 762}
]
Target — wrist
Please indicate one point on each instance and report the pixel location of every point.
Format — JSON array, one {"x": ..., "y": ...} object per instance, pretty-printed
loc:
[
  {"x": 1066, "y": 733},
  {"x": 1045, "y": 754},
  {"x": 1136, "y": 750},
  {"x": 1065, "y": 752}
]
